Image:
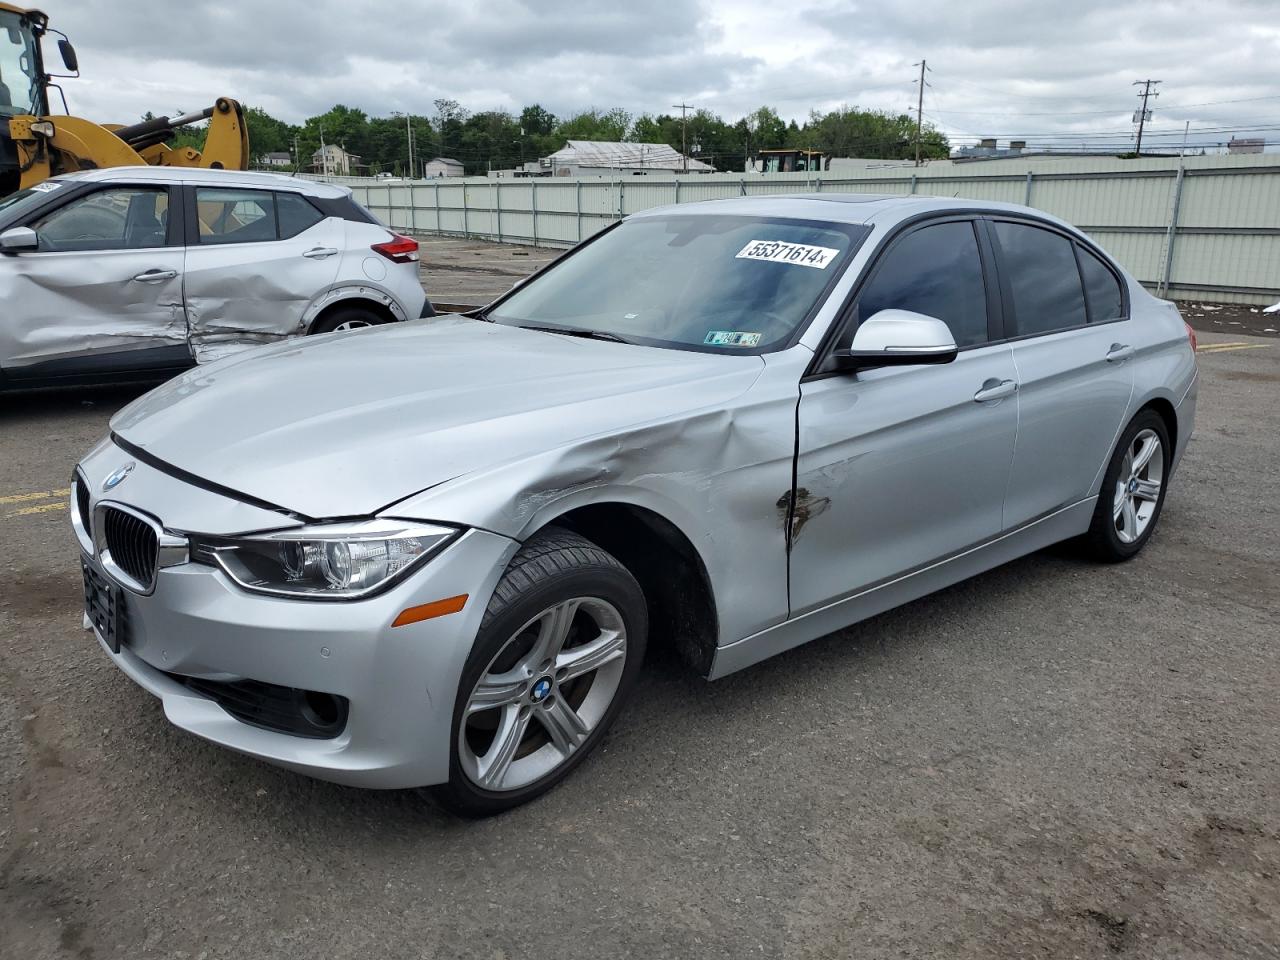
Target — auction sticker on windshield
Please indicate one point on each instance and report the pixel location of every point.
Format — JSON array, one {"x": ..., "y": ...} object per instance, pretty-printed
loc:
[
  {"x": 731, "y": 338},
  {"x": 48, "y": 186},
  {"x": 779, "y": 251}
]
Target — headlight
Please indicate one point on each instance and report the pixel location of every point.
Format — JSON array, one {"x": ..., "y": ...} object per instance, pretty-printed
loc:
[{"x": 324, "y": 561}]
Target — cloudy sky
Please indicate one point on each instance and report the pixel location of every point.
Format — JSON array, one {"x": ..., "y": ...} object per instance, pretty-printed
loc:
[{"x": 1040, "y": 70}]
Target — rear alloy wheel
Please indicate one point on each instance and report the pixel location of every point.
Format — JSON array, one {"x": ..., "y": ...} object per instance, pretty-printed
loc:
[
  {"x": 348, "y": 318},
  {"x": 559, "y": 649},
  {"x": 1132, "y": 491}
]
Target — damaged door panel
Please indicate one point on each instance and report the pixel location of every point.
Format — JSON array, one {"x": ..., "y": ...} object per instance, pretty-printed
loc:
[
  {"x": 105, "y": 281},
  {"x": 255, "y": 261}
]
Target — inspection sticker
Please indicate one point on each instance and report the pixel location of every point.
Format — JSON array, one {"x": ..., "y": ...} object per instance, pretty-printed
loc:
[
  {"x": 731, "y": 338},
  {"x": 48, "y": 186},
  {"x": 778, "y": 251}
]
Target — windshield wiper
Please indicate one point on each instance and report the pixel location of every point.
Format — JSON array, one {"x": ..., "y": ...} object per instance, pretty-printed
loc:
[{"x": 577, "y": 332}]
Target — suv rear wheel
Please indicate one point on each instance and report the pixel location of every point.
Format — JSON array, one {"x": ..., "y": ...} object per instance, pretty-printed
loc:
[{"x": 348, "y": 318}]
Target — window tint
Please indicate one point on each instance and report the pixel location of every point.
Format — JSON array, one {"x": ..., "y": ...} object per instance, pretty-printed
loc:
[
  {"x": 1042, "y": 273},
  {"x": 296, "y": 214},
  {"x": 1101, "y": 288},
  {"x": 236, "y": 216},
  {"x": 936, "y": 271},
  {"x": 123, "y": 218}
]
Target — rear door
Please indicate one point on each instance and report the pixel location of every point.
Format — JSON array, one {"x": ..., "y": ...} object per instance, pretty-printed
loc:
[
  {"x": 255, "y": 260},
  {"x": 1072, "y": 352},
  {"x": 102, "y": 293}
]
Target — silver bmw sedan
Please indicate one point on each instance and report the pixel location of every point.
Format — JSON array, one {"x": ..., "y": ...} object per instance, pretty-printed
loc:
[{"x": 433, "y": 554}]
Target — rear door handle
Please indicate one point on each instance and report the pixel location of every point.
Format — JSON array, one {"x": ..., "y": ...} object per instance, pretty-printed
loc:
[
  {"x": 155, "y": 276},
  {"x": 1118, "y": 352},
  {"x": 320, "y": 253},
  {"x": 994, "y": 389}
]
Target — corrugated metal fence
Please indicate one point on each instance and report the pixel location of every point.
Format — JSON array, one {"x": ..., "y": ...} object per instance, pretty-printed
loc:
[{"x": 1207, "y": 228}]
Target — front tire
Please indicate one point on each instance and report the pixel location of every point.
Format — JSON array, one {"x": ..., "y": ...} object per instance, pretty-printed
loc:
[
  {"x": 1133, "y": 491},
  {"x": 558, "y": 651}
]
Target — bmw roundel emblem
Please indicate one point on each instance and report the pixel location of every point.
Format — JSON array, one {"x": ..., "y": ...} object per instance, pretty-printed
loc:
[
  {"x": 541, "y": 689},
  {"x": 117, "y": 476}
]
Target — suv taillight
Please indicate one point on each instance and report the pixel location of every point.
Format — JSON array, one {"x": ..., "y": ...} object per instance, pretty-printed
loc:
[
  {"x": 398, "y": 249},
  {"x": 1191, "y": 335}
]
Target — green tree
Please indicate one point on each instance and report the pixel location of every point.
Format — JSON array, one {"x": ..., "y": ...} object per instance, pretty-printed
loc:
[{"x": 609, "y": 125}]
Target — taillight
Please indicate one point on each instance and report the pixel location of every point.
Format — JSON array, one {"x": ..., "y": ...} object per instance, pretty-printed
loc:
[
  {"x": 398, "y": 249},
  {"x": 1191, "y": 335}
]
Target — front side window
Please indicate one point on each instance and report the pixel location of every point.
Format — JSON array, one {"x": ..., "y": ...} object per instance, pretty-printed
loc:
[
  {"x": 937, "y": 271},
  {"x": 121, "y": 218},
  {"x": 1043, "y": 278},
  {"x": 725, "y": 284},
  {"x": 19, "y": 84}
]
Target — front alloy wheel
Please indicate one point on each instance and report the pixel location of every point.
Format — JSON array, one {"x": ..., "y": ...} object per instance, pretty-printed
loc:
[
  {"x": 558, "y": 650},
  {"x": 543, "y": 694}
]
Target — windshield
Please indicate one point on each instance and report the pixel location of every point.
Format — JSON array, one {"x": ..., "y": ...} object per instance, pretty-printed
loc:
[
  {"x": 14, "y": 206},
  {"x": 19, "y": 91},
  {"x": 725, "y": 284}
]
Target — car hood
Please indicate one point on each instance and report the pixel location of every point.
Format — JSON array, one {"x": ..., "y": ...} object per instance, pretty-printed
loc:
[{"x": 348, "y": 424}]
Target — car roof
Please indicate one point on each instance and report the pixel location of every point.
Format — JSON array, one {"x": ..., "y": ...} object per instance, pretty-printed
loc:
[
  {"x": 207, "y": 178},
  {"x": 855, "y": 208}
]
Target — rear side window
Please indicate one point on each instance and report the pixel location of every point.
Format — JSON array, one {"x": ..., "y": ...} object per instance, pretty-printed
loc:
[
  {"x": 251, "y": 216},
  {"x": 937, "y": 271},
  {"x": 1101, "y": 289},
  {"x": 1043, "y": 278},
  {"x": 296, "y": 214},
  {"x": 235, "y": 216}
]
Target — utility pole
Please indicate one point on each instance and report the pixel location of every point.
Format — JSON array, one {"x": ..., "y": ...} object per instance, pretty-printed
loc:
[
  {"x": 408, "y": 136},
  {"x": 297, "y": 156},
  {"x": 1144, "y": 114},
  {"x": 684, "y": 134},
  {"x": 920, "y": 107},
  {"x": 324, "y": 154}
]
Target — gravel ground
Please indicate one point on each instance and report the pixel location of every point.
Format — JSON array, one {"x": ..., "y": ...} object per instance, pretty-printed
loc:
[{"x": 1052, "y": 760}]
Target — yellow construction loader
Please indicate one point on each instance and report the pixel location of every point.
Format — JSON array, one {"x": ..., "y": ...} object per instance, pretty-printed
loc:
[{"x": 35, "y": 145}]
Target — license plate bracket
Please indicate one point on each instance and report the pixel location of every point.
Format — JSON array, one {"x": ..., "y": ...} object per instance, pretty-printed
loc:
[{"x": 104, "y": 606}]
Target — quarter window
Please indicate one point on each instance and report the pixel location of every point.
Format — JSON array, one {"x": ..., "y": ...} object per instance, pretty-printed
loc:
[
  {"x": 1101, "y": 289},
  {"x": 122, "y": 218},
  {"x": 937, "y": 271},
  {"x": 1043, "y": 278},
  {"x": 296, "y": 214}
]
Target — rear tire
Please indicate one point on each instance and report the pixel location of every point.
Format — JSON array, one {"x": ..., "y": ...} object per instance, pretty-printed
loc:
[
  {"x": 1133, "y": 491},
  {"x": 348, "y": 318},
  {"x": 558, "y": 652}
]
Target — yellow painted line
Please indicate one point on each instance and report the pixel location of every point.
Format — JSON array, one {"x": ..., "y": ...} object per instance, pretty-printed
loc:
[
  {"x": 42, "y": 508},
  {"x": 24, "y": 497},
  {"x": 1228, "y": 347}
]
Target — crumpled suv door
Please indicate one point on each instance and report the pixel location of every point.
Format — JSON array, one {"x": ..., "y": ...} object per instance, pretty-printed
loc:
[
  {"x": 103, "y": 291},
  {"x": 256, "y": 259}
]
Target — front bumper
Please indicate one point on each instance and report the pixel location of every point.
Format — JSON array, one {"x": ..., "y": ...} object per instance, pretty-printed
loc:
[{"x": 401, "y": 682}]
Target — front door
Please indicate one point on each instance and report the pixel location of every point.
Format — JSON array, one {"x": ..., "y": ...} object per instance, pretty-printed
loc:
[
  {"x": 101, "y": 294},
  {"x": 256, "y": 259},
  {"x": 902, "y": 466}
]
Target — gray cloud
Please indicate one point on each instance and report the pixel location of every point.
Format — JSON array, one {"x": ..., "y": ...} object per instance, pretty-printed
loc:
[{"x": 999, "y": 67}]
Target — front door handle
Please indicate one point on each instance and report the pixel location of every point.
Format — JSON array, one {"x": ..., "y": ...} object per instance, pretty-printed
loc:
[
  {"x": 155, "y": 276},
  {"x": 994, "y": 389},
  {"x": 320, "y": 253},
  {"x": 1118, "y": 352}
]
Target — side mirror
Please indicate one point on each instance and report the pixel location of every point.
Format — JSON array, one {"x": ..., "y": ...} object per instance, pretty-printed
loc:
[
  {"x": 897, "y": 338},
  {"x": 69, "y": 57},
  {"x": 18, "y": 239}
]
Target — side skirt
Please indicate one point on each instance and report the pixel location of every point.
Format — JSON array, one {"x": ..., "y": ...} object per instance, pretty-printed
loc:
[{"x": 1060, "y": 525}]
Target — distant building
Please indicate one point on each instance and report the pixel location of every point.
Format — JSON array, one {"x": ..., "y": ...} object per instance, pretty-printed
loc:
[
  {"x": 787, "y": 161},
  {"x": 1245, "y": 145},
  {"x": 988, "y": 148},
  {"x": 443, "y": 167},
  {"x": 277, "y": 158},
  {"x": 334, "y": 161},
  {"x": 603, "y": 158}
]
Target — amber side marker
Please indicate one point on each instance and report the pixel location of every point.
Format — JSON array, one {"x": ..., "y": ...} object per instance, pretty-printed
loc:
[{"x": 427, "y": 611}]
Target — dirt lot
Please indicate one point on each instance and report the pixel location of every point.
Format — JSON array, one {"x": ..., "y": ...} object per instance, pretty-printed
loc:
[{"x": 1052, "y": 760}]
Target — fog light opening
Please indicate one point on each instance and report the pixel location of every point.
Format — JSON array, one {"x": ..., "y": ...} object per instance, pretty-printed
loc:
[{"x": 322, "y": 710}]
